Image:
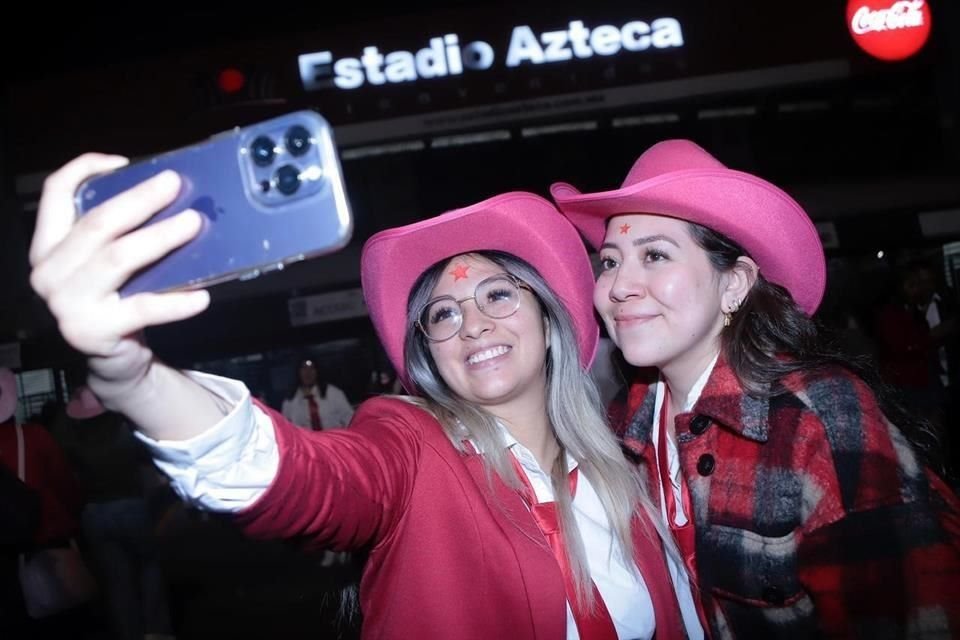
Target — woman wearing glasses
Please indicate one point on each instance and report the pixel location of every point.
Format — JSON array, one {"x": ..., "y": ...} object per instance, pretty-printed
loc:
[{"x": 494, "y": 501}]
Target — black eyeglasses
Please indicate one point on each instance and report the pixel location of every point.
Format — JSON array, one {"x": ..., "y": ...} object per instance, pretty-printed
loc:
[{"x": 496, "y": 297}]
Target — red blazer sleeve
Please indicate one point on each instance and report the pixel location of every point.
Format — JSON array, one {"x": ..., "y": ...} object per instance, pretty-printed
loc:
[{"x": 343, "y": 488}]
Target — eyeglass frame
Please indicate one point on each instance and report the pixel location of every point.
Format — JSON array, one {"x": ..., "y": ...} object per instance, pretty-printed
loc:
[{"x": 517, "y": 282}]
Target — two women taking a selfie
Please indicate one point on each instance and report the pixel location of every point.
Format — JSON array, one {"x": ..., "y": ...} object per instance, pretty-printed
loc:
[{"x": 759, "y": 487}]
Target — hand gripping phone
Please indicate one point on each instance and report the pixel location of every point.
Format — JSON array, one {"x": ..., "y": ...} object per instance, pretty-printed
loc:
[{"x": 270, "y": 194}]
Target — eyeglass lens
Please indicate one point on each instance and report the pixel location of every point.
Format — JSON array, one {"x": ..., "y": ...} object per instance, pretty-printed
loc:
[{"x": 496, "y": 297}]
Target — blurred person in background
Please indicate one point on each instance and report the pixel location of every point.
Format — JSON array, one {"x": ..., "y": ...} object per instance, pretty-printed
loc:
[
  {"x": 316, "y": 404},
  {"x": 50, "y": 476},
  {"x": 117, "y": 477}
]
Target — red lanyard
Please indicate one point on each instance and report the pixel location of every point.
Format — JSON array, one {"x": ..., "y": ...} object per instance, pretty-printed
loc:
[
  {"x": 595, "y": 625},
  {"x": 685, "y": 535},
  {"x": 666, "y": 480},
  {"x": 315, "y": 423}
]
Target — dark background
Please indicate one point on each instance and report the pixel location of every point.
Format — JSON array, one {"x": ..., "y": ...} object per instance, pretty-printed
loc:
[
  {"x": 871, "y": 149},
  {"x": 780, "y": 91}
]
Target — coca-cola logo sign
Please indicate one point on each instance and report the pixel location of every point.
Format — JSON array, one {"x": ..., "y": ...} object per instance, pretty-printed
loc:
[{"x": 889, "y": 29}]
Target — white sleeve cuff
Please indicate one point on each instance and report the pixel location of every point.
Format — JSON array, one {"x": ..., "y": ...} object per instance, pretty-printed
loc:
[{"x": 231, "y": 464}]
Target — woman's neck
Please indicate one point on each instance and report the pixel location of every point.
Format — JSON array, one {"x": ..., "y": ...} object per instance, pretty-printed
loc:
[
  {"x": 680, "y": 378},
  {"x": 534, "y": 432}
]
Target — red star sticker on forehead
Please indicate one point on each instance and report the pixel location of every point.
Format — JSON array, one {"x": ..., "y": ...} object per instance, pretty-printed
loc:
[
  {"x": 624, "y": 228},
  {"x": 460, "y": 272}
]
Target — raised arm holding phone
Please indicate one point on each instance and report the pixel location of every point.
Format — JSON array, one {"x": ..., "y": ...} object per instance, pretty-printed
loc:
[{"x": 494, "y": 500}]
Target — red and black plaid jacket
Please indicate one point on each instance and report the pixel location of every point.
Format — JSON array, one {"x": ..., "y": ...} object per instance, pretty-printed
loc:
[{"x": 813, "y": 517}]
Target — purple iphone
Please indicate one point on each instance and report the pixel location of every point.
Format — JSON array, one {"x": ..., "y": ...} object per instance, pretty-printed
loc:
[{"x": 271, "y": 193}]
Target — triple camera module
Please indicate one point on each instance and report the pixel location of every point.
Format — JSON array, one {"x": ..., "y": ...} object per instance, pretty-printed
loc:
[{"x": 290, "y": 150}]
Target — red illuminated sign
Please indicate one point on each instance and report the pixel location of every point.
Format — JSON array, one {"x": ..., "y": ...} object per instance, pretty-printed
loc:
[
  {"x": 231, "y": 80},
  {"x": 889, "y": 30}
]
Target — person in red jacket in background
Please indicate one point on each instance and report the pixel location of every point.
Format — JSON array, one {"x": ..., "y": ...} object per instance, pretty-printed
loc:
[
  {"x": 494, "y": 501},
  {"x": 911, "y": 352},
  {"x": 47, "y": 470},
  {"x": 49, "y": 474}
]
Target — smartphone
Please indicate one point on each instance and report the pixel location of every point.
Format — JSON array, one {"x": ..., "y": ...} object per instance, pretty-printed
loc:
[{"x": 270, "y": 194}]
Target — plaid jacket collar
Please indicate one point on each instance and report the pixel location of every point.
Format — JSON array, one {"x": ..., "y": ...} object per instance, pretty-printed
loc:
[{"x": 723, "y": 400}]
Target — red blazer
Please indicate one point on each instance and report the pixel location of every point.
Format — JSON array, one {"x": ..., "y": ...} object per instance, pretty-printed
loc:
[{"x": 449, "y": 557}]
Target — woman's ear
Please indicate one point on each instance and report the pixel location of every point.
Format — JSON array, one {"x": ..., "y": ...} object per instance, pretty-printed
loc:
[{"x": 739, "y": 280}]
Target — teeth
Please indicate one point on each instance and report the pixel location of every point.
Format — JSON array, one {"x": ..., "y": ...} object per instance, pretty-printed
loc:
[{"x": 486, "y": 355}]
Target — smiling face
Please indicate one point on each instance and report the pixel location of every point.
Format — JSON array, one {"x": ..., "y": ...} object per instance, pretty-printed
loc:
[
  {"x": 491, "y": 362},
  {"x": 660, "y": 298}
]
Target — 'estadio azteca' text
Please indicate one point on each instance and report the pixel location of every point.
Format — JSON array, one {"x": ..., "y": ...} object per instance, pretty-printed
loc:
[{"x": 447, "y": 56}]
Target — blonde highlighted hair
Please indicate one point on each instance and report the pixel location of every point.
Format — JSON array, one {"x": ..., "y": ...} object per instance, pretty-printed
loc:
[{"x": 574, "y": 411}]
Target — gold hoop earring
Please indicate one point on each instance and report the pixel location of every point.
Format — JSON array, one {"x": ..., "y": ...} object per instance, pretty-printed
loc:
[{"x": 728, "y": 315}]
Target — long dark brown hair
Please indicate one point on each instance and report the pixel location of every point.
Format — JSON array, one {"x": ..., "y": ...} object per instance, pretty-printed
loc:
[{"x": 770, "y": 337}]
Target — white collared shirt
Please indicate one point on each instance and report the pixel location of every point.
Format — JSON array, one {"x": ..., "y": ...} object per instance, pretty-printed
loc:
[
  {"x": 677, "y": 571},
  {"x": 229, "y": 466},
  {"x": 623, "y": 591},
  {"x": 334, "y": 409},
  {"x": 673, "y": 456}
]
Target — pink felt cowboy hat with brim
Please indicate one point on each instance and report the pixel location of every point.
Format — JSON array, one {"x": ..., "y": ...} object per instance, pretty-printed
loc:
[
  {"x": 519, "y": 223},
  {"x": 677, "y": 178},
  {"x": 8, "y": 394}
]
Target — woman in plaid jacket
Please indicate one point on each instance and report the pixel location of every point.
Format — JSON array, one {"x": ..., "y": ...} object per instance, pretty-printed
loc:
[{"x": 800, "y": 507}]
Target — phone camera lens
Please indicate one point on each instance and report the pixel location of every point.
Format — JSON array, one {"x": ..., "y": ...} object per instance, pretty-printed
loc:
[
  {"x": 262, "y": 151},
  {"x": 298, "y": 140},
  {"x": 288, "y": 179}
]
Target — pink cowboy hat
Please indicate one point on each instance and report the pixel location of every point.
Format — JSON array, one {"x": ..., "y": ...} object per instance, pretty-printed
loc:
[
  {"x": 83, "y": 404},
  {"x": 679, "y": 179},
  {"x": 8, "y": 394},
  {"x": 522, "y": 224}
]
